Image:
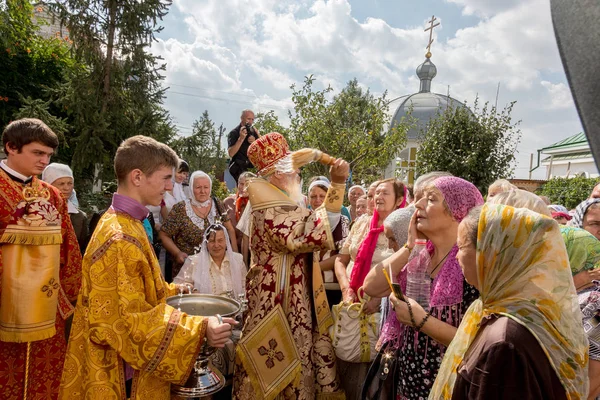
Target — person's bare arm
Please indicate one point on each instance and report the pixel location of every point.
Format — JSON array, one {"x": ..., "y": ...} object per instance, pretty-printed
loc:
[
  {"x": 171, "y": 247},
  {"x": 328, "y": 264},
  {"x": 583, "y": 279},
  {"x": 438, "y": 330},
  {"x": 164, "y": 213},
  {"x": 341, "y": 262},
  {"x": 236, "y": 146},
  {"x": 375, "y": 283},
  {"x": 232, "y": 237}
]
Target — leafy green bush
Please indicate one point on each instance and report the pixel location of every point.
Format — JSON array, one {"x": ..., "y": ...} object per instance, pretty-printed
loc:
[
  {"x": 477, "y": 144},
  {"x": 568, "y": 192}
]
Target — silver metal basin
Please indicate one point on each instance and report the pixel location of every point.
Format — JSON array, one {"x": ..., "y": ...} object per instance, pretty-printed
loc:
[{"x": 205, "y": 305}]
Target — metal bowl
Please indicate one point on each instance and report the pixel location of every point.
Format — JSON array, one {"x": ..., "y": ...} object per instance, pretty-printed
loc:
[{"x": 205, "y": 305}]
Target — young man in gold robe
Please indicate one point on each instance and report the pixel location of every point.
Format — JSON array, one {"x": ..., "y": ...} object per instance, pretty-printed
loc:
[
  {"x": 122, "y": 327},
  {"x": 40, "y": 266},
  {"x": 285, "y": 351}
]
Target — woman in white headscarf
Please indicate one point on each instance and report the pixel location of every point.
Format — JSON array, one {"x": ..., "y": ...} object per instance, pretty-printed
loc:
[
  {"x": 354, "y": 194},
  {"x": 217, "y": 269},
  {"x": 61, "y": 177},
  {"x": 182, "y": 232}
]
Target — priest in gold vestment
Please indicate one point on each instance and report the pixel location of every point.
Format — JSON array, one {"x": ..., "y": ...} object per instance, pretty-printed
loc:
[
  {"x": 126, "y": 342},
  {"x": 285, "y": 351},
  {"x": 40, "y": 266}
]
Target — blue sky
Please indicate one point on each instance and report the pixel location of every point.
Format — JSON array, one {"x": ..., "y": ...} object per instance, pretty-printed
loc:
[{"x": 227, "y": 55}]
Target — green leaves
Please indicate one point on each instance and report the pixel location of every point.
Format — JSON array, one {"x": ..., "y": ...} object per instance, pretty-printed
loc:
[
  {"x": 568, "y": 192},
  {"x": 350, "y": 125},
  {"x": 478, "y": 145},
  {"x": 203, "y": 149}
]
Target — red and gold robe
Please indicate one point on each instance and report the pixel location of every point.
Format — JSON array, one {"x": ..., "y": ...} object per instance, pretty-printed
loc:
[
  {"x": 283, "y": 237},
  {"x": 122, "y": 317},
  {"x": 46, "y": 357}
]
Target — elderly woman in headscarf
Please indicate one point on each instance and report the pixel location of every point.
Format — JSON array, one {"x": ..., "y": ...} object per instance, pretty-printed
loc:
[
  {"x": 61, "y": 177},
  {"x": 523, "y": 338},
  {"x": 587, "y": 216},
  {"x": 560, "y": 214},
  {"x": 499, "y": 186},
  {"x": 583, "y": 250},
  {"x": 218, "y": 270},
  {"x": 365, "y": 246},
  {"x": 423, "y": 334},
  {"x": 182, "y": 232},
  {"x": 317, "y": 191},
  {"x": 354, "y": 193}
]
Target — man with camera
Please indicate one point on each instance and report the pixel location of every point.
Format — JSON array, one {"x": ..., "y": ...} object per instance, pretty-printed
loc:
[{"x": 239, "y": 139}]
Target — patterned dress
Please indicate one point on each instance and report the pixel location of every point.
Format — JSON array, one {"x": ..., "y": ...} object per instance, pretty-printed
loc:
[
  {"x": 46, "y": 357},
  {"x": 284, "y": 236},
  {"x": 419, "y": 356},
  {"x": 352, "y": 375},
  {"x": 187, "y": 229}
]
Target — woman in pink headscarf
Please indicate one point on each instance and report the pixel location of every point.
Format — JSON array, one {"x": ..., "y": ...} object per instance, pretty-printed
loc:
[{"x": 419, "y": 336}]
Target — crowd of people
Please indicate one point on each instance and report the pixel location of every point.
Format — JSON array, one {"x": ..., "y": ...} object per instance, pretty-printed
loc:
[{"x": 408, "y": 292}]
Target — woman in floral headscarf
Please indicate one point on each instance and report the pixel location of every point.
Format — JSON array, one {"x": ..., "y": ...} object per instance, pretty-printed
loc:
[
  {"x": 583, "y": 250},
  {"x": 587, "y": 216},
  {"x": 423, "y": 335},
  {"x": 523, "y": 338}
]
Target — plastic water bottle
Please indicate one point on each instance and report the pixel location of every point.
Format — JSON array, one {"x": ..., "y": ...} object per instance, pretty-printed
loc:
[{"x": 418, "y": 283}]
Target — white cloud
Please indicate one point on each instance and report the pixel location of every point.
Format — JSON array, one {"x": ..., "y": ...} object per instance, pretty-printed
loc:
[
  {"x": 251, "y": 51},
  {"x": 559, "y": 96},
  {"x": 484, "y": 8}
]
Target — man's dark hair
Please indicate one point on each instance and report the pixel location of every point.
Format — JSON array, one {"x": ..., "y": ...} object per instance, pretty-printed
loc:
[{"x": 28, "y": 130}]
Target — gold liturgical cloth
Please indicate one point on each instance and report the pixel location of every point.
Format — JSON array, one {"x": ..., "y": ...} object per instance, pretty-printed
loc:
[
  {"x": 30, "y": 276},
  {"x": 270, "y": 356}
]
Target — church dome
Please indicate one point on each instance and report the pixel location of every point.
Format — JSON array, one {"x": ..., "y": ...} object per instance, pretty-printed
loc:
[{"x": 425, "y": 104}]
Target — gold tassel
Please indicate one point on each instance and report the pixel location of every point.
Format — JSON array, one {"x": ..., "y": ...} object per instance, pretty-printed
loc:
[
  {"x": 26, "y": 371},
  {"x": 31, "y": 240},
  {"x": 27, "y": 337}
]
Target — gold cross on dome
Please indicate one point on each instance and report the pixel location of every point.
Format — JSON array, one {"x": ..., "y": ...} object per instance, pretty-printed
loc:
[{"x": 430, "y": 29}]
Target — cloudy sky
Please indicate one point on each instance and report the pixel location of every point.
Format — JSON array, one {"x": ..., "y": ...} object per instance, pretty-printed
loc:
[{"x": 227, "y": 55}]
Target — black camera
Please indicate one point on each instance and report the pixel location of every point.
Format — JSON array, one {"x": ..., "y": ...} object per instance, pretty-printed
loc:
[{"x": 248, "y": 129}]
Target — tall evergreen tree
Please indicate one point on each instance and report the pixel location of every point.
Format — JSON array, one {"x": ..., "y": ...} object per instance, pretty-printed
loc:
[
  {"x": 119, "y": 93},
  {"x": 203, "y": 149}
]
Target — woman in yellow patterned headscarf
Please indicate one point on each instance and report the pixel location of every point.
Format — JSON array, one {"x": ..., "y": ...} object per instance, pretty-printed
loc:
[{"x": 522, "y": 272}]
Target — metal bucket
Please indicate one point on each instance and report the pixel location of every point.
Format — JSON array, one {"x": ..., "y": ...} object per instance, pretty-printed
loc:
[{"x": 204, "y": 379}]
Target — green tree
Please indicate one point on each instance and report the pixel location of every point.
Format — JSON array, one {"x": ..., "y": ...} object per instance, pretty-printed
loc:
[
  {"x": 267, "y": 122},
  {"x": 350, "y": 125},
  {"x": 203, "y": 149},
  {"x": 478, "y": 145},
  {"x": 118, "y": 94},
  {"x": 30, "y": 67},
  {"x": 568, "y": 192}
]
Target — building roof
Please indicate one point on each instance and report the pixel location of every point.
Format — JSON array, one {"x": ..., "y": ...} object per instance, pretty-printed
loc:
[
  {"x": 425, "y": 105},
  {"x": 572, "y": 141},
  {"x": 569, "y": 157}
]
